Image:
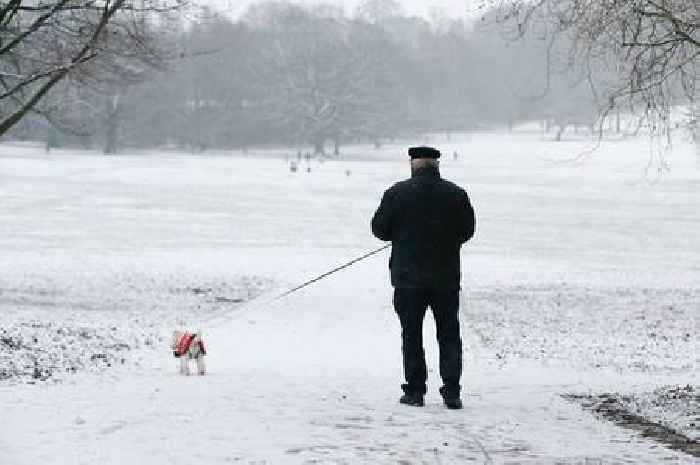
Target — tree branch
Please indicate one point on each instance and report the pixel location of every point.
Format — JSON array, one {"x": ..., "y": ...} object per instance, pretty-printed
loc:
[{"x": 108, "y": 12}]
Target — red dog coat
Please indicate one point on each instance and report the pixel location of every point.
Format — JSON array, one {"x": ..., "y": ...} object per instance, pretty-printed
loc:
[{"x": 183, "y": 345}]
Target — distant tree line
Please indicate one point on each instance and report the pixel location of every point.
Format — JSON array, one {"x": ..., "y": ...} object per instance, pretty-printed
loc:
[{"x": 317, "y": 78}]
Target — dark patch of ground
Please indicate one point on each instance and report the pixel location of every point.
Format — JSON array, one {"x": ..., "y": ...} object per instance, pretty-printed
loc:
[
  {"x": 615, "y": 407},
  {"x": 630, "y": 330}
]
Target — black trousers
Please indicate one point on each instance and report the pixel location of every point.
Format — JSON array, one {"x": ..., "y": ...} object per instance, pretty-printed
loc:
[{"x": 410, "y": 305}]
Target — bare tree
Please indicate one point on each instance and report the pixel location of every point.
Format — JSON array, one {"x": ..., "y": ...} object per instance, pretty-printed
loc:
[
  {"x": 643, "y": 54},
  {"x": 375, "y": 11},
  {"x": 44, "y": 42},
  {"x": 325, "y": 77}
]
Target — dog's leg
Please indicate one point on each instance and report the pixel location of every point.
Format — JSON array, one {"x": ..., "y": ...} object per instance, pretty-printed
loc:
[
  {"x": 201, "y": 367},
  {"x": 184, "y": 365}
]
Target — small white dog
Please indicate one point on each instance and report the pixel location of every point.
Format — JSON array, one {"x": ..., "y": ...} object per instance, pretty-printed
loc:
[{"x": 189, "y": 346}]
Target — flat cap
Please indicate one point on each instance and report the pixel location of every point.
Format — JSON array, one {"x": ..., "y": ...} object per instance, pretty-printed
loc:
[{"x": 423, "y": 152}]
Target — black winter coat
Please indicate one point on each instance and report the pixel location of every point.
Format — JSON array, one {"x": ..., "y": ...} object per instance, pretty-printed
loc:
[{"x": 427, "y": 219}]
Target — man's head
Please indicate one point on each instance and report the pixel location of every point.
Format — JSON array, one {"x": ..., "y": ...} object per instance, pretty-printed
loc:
[{"x": 423, "y": 157}]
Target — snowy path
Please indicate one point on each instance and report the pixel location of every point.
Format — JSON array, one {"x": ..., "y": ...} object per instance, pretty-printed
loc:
[{"x": 292, "y": 384}]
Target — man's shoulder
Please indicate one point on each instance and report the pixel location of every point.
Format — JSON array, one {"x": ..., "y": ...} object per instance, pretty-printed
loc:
[
  {"x": 452, "y": 187},
  {"x": 413, "y": 183},
  {"x": 398, "y": 186}
]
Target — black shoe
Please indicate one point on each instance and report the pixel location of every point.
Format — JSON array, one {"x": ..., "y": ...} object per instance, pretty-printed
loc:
[
  {"x": 453, "y": 403},
  {"x": 451, "y": 398},
  {"x": 415, "y": 400}
]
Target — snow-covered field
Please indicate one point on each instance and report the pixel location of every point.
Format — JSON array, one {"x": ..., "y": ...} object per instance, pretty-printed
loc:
[{"x": 583, "y": 278}]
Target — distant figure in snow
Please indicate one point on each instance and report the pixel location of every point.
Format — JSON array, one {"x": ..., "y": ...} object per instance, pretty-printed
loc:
[
  {"x": 455, "y": 155},
  {"x": 427, "y": 219}
]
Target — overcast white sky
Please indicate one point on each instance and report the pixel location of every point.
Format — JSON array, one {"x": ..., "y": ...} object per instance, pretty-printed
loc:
[{"x": 452, "y": 8}]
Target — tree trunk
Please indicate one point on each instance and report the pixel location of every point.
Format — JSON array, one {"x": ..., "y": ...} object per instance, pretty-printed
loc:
[
  {"x": 111, "y": 125},
  {"x": 110, "y": 147},
  {"x": 51, "y": 138},
  {"x": 560, "y": 131},
  {"x": 86, "y": 142},
  {"x": 319, "y": 148},
  {"x": 336, "y": 146}
]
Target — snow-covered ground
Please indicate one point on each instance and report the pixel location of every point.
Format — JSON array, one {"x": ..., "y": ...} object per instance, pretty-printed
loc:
[
  {"x": 49, "y": 330},
  {"x": 583, "y": 278}
]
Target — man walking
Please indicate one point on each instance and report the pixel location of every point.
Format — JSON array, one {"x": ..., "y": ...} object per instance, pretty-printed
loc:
[{"x": 427, "y": 219}]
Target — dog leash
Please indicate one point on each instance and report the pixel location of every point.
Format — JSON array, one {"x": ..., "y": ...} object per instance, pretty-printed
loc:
[
  {"x": 328, "y": 273},
  {"x": 260, "y": 301}
]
